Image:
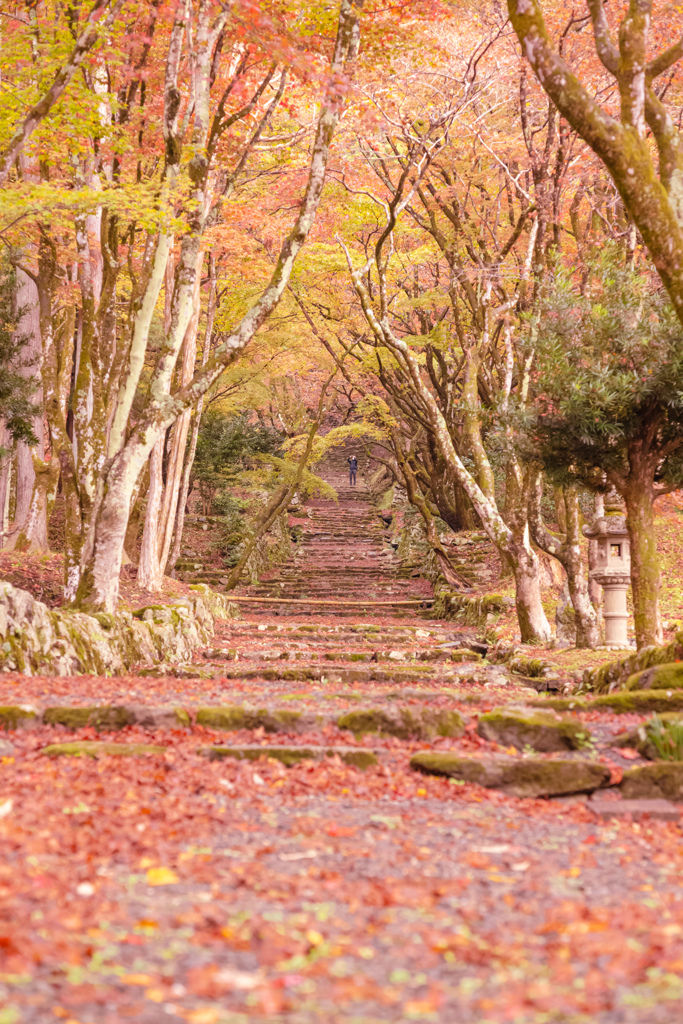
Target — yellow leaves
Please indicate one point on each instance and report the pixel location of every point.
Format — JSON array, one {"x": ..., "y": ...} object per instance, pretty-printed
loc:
[
  {"x": 136, "y": 979},
  {"x": 204, "y": 1015},
  {"x": 162, "y": 876}
]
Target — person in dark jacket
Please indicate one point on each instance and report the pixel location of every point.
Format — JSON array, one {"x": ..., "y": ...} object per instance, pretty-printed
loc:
[{"x": 353, "y": 469}]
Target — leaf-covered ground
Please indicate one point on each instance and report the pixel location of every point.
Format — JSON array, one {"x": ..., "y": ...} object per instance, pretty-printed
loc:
[{"x": 168, "y": 886}]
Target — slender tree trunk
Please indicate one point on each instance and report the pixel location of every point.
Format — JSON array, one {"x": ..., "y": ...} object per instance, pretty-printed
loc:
[
  {"x": 196, "y": 424},
  {"x": 30, "y": 519},
  {"x": 5, "y": 481},
  {"x": 472, "y": 425},
  {"x": 149, "y": 568},
  {"x": 645, "y": 574},
  {"x": 594, "y": 588},
  {"x": 174, "y": 471},
  {"x": 587, "y": 623}
]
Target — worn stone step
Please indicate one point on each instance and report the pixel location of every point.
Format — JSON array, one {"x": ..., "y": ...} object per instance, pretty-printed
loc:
[{"x": 358, "y": 757}]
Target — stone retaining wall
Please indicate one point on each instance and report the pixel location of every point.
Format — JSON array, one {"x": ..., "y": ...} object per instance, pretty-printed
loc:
[
  {"x": 614, "y": 674},
  {"x": 37, "y": 640},
  {"x": 482, "y": 611}
]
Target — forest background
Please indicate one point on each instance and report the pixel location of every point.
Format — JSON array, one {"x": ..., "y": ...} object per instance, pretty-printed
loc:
[{"x": 235, "y": 236}]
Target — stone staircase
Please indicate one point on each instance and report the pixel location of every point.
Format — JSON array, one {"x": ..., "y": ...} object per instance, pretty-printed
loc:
[{"x": 344, "y": 556}]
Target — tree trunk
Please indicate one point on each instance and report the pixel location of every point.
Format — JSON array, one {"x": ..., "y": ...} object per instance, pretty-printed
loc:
[
  {"x": 567, "y": 550},
  {"x": 149, "y": 568},
  {"x": 29, "y": 532},
  {"x": 533, "y": 622},
  {"x": 594, "y": 588},
  {"x": 645, "y": 575},
  {"x": 196, "y": 424}
]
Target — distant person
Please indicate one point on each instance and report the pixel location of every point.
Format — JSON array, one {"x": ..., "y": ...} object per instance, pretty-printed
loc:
[{"x": 353, "y": 469}]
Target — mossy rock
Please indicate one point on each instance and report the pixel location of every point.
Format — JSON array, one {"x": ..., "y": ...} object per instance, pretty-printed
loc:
[
  {"x": 104, "y": 718},
  {"x": 642, "y": 701},
  {"x": 97, "y": 748},
  {"x": 653, "y": 781},
  {"x": 525, "y": 778},
  {"x": 658, "y": 677},
  {"x": 233, "y": 717},
  {"x": 403, "y": 723},
  {"x": 17, "y": 718},
  {"x": 355, "y": 756},
  {"x": 461, "y": 654},
  {"x": 544, "y": 731}
]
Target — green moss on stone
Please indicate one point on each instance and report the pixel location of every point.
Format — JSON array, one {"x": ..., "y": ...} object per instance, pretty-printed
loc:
[
  {"x": 658, "y": 677},
  {"x": 526, "y": 778},
  {"x": 464, "y": 654},
  {"x": 356, "y": 756},
  {"x": 16, "y": 717},
  {"x": 654, "y": 781},
  {"x": 233, "y": 717},
  {"x": 624, "y": 701},
  {"x": 95, "y": 748},
  {"x": 544, "y": 731},
  {"x": 403, "y": 723},
  {"x": 106, "y": 717}
]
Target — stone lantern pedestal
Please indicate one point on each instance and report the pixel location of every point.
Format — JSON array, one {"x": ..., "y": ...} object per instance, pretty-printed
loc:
[{"x": 613, "y": 571}]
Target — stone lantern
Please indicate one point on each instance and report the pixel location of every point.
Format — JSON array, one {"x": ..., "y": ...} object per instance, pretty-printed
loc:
[{"x": 613, "y": 571}]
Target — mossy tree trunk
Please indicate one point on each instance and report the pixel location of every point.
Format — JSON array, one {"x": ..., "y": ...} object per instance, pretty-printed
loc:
[
  {"x": 652, "y": 196},
  {"x": 567, "y": 550},
  {"x": 645, "y": 572}
]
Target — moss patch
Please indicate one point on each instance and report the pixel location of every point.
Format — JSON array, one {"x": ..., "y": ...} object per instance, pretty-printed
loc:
[
  {"x": 658, "y": 677},
  {"x": 104, "y": 718},
  {"x": 95, "y": 748},
  {"x": 356, "y": 756},
  {"x": 403, "y": 723},
  {"x": 528, "y": 778},
  {"x": 16, "y": 717},
  {"x": 541, "y": 730},
  {"x": 653, "y": 781}
]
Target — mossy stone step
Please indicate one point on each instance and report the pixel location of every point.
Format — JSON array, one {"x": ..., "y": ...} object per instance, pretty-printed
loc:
[
  {"x": 403, "y": 723},
  {"x": 621, "y": 701},
  {"x": 233, "y": 717},
  {"x": 97, "y": 748},
  {"x": 652, "y": 781},
  {"x": 358, "y": 757},
  {"x": 17, "y": 717},
  {"x": 658, "y": 677},
  {"x": 544, "y": 731},
  {"x": 531, "y": 777},
  {"x": 107, "y": 717}
]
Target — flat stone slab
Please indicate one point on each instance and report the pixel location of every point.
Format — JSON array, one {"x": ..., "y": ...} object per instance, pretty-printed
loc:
[
  {"x": 659, "y": 810},
  {"x": 532, "y": 777},
  {"x": 544, "y": 731},
  {"x": 97, "y": 748},
  {"x": 405, "y": 723},
  {"x": 359, "y": 757}
]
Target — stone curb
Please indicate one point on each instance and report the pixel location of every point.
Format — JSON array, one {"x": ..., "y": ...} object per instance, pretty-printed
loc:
[{"x": 417, "y": 723}]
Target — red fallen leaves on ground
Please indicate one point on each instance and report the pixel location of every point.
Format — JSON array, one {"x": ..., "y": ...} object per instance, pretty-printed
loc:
[{"x": 170, "y": 883}]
